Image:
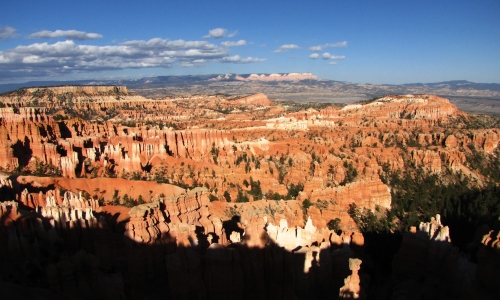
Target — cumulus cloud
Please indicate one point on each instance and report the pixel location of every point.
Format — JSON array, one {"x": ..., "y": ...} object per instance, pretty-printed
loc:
[
  {"x": 331, "y": 45},
  {"x": 234, "y": 44},
  {"x": 68, "y": 34},
  {"x": 216, "y": 33},
  {"x": 333, "y": 63},
  {"x": 338, "y": 44},
  {"x": 64, "y": 57},
  {"x": 327, "y": 55},
  {"x": 285, "y": 48},
  {"x": 241, "y": 60},
  {"x": 314, "y": 55},
  {"x": 7, "y": 33}
]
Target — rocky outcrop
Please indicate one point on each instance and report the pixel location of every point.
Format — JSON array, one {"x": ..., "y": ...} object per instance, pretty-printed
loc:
[
  {"x": 291, "y": 238},
  {"x": 410, "y": 107},
  {"x": 352, "y": 288},
  {"x": 430, "y": 161},
  {"x": 487, "y": 140},
  {"x": 257, "y": 99}
]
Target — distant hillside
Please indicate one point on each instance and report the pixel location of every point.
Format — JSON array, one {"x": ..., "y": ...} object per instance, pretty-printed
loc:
[
  {"x": 458, "y": 85},
  {"x": 288, "y": 86},
  {"x": 14, "y": 86}
]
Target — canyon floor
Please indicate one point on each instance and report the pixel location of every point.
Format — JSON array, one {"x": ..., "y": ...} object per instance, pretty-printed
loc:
[{"x": 107, "y": 194}]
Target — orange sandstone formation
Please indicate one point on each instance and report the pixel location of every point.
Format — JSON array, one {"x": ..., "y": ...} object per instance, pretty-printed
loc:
[{"x": 218, "y": 196}]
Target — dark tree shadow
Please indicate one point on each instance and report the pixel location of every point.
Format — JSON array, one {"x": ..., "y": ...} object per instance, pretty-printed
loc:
[
  {"x": 232, "y": 225},
  {"x": 65, "y": 131},
  {"x": 22, "y": 151}
]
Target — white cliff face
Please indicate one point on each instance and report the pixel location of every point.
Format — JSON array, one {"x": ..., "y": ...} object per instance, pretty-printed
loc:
[
  {"x": 267, "y": 77},
  {"x": 278, "y": 77}
]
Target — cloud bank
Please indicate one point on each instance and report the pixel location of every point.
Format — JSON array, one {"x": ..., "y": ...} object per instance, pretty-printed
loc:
[
  {"x": 240, "y": 60},
  {"x": 327, "y": 55},
  {"x": 68, "y": 34},
  {"x": 285, "y": 48},
  {"x": 7, "y": 33},
  {"x": 66, "y": 57},
  {"x": 234, "y": 44},
  {"x": 331, "y": 45}
]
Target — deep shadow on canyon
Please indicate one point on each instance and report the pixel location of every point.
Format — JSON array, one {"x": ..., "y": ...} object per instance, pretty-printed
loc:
[
  {"x": 102, "y": 263},
  {"x": 95, "y": 260}
]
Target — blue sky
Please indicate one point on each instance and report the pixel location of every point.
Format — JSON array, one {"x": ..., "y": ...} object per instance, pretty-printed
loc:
[{"x": 358, "y": 41}]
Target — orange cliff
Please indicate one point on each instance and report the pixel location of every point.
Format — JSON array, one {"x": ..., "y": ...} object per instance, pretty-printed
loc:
[
  {"x": 206, "y": 153},
  {"x": 363, "y": 135}
]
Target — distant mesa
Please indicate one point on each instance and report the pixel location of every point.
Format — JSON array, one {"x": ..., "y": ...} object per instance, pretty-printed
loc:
[
  {"x": 88, "y": 89},
  {"x": 55, "y": 96},
  {"x": 279, "y": 77}
]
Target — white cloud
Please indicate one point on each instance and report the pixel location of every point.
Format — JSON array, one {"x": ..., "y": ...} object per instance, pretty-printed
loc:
[
  {"x": 234, "y": 44},
  {"x": 194, "y": 63},
  {"x": 7, "y": 33},
  {"x": 337, "y": 57},
  {"x": 338, "y": 44},
  {"x": 314, "y": 55},
  {"x": 64, "y": 57},
  {"x": 327, "y": 55},
  {"x": 319, "y": 48},
  {"x": 285, "y": 48},
  {"x": 238, "y": 59},
  {"x": 333, "y": 63},
  {"x": 68, "y": 34},
  {"x": 216, "y": 33},
  {"x": 289, "y": 46}
]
